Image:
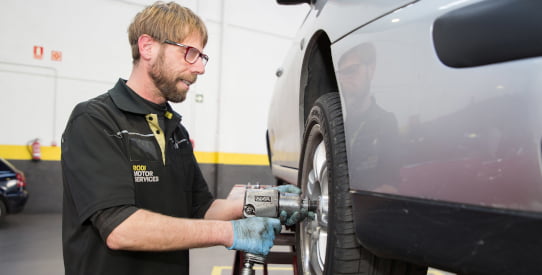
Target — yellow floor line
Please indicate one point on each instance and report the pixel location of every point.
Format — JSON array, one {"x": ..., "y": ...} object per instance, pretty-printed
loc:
[
  {"x": 217, "y": 270},
  {"x": 432, "y": 271}
]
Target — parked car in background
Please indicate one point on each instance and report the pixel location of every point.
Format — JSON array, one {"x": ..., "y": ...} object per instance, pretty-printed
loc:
[
  {"x": 417, "y": 126},
  {"x": 13, "y": 193}
]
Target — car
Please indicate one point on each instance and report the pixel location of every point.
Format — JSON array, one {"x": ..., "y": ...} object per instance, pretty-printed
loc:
[
  {"x": 13, "y": 193},
  {"x": 417, "y": 128}
]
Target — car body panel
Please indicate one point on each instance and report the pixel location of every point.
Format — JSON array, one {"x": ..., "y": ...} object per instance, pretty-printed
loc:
[
  {"x": 433, "y": 149},
  {"x": 434, "y": 131},
  {"x": 285, "y": 131},
  {"x": 457, "y": 238},
  {"x": 323, "y": 16}
]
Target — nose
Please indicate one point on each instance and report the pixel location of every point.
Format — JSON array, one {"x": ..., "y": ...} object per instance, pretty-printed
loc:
[{"x": 198, "y": 67}]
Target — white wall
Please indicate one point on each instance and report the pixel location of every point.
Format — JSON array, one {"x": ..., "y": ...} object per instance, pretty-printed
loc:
[{"x": 247, "y": 42}]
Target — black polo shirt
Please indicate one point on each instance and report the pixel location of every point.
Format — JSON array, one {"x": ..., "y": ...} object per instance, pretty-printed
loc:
[{"x": 118, "y": 149}]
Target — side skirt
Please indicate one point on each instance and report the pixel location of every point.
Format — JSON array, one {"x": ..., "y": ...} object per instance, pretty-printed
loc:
[{"x": 460, "y": 238}]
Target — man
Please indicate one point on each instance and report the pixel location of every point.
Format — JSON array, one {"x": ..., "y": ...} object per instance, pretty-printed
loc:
[
  {"x": 134, "y": 197},
  {"x": 375, "y": 132}
]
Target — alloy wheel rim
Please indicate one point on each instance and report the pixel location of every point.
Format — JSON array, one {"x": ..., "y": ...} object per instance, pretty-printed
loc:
[{"x": 314, "y": 232}]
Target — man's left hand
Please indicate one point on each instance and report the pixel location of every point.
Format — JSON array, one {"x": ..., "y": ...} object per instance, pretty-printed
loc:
[
  {"x": 287, "y": 188},
  {"x": 297, "y": 216}
]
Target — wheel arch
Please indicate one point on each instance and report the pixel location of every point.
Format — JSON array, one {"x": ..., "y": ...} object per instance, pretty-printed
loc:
[{"x": 317, "y": 74}]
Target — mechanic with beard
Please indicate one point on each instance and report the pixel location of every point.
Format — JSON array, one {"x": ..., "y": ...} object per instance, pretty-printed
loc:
[{"x": 134, "y": 197}]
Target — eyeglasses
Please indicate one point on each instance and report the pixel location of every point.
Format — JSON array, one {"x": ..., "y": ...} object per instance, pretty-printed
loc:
[{"x": 192, "y": 54}]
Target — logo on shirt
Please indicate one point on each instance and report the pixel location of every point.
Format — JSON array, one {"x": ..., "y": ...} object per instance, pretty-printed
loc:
[{"x": 141, "y": 174}]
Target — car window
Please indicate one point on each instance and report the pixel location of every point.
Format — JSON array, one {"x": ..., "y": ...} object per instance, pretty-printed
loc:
[{"x": 4, "y": 167}]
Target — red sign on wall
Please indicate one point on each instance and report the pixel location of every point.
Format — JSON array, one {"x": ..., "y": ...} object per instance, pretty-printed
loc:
[{"x": 38, "y": 52}]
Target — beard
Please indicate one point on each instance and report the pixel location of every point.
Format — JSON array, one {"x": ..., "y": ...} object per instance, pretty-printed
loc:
[{"x": 166, "y": 81}]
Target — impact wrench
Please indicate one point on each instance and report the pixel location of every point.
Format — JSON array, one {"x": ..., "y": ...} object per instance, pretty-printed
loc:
[{"x": 270, "y": 203}]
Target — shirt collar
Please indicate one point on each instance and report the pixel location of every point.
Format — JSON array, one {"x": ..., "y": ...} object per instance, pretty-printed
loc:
[{"x": 127, "y": 100}]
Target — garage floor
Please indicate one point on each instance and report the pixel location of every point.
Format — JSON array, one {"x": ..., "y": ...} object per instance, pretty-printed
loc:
[{"x": 31, "y": 244}]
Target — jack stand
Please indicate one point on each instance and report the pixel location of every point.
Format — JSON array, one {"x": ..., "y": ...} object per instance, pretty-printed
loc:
[{"x": 289, "y": 258}]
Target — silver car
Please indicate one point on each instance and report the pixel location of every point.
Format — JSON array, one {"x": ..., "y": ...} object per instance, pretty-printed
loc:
[{"x": 417, "y": 126}]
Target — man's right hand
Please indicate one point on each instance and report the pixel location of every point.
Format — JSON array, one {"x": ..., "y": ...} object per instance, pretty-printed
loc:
[{"x": 255, "y": 234}]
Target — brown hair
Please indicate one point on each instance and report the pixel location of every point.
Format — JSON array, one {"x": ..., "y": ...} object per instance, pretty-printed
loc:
[{"x": 164, "y": 21}]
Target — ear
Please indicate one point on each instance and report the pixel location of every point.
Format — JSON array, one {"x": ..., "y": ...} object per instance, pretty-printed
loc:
[{"x": 145, "y": 44}]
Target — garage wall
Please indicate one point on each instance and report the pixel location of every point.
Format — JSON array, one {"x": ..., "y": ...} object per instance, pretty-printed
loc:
[
  {"x": 57, "y": 53},
  {"x": 85, "y": 50}
]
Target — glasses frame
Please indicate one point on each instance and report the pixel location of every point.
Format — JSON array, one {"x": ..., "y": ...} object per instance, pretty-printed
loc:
[{"x": 204, "y": 57}]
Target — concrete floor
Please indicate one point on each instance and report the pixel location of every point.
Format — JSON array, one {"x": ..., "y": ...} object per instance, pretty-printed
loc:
[{"x": 31, "y": 244}]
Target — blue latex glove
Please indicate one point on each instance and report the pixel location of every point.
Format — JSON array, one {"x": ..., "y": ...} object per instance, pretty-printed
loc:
[
  {"x": 296, "y": 217},
  {"x": 255, "y": 234},
  {"x": 288, "y": 188}
]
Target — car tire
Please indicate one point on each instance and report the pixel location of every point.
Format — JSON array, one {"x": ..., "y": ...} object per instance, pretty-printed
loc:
[
  {"x": 3, "y": 210},
  {"x": 327, "y": 244}
]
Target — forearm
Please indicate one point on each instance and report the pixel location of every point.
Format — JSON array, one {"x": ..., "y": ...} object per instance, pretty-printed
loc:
[
  {"x": 225, "y": 210},
  {"x": 148, "y": 231}
]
